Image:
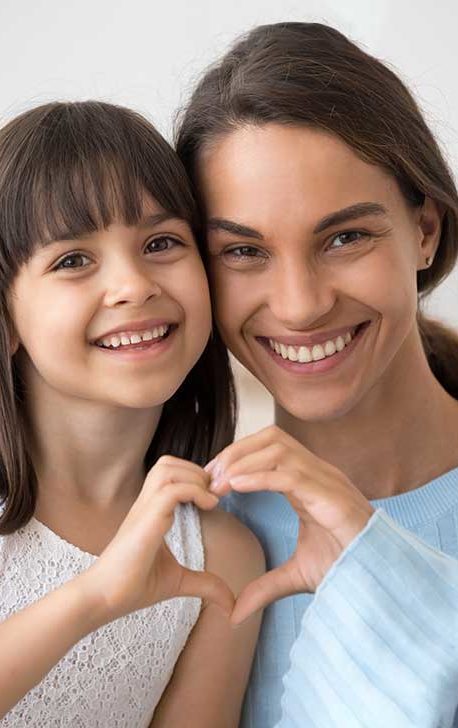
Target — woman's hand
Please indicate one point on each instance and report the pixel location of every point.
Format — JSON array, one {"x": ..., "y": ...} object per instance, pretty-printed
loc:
[
  {"x": 137, "y": 569},
  {"x": 331, "y": 510}
]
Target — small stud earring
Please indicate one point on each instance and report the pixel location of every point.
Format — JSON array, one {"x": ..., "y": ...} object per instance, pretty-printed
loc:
[{"x": 429, "y": 260}]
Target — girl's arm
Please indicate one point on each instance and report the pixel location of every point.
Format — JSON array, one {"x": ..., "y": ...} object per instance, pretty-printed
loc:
[
  {"x": 33, "y": 640},
  {"x": 135, "y": 571},
  {"x": 210, "y": 677}
]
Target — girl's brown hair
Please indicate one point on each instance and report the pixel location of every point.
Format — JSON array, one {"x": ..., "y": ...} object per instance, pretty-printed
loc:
[
  {"x": 311, "y": 74},
  {"x": 67, "y": 169}
]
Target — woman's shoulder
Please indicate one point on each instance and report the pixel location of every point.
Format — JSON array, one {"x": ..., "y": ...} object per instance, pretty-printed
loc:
[{"x": 232, "y": 550}]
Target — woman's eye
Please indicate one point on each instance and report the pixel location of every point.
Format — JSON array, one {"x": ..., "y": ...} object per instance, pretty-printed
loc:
[
  {"x": 158, "y": 245},
  {"x": 242, "y": 252},
  {"x": 341, "y": 240},
  {"x": 71, "y": 261}
]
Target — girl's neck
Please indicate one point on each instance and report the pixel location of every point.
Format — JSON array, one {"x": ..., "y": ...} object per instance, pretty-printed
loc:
[
  {"x": 399, "y": 437},
  {"x": 88, "y": 453}
]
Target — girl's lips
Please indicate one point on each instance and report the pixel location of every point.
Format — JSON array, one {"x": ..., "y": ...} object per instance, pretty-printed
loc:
[
  {"x": 316, "y": 367},
  {"x": 142, "y": 350}
]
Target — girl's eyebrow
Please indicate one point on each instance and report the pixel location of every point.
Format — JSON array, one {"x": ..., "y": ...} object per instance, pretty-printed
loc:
[{"x": 360, "y": 209}]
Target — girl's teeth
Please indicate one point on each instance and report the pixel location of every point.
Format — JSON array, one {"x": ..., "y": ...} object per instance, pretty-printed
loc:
[
  {"x": 318, "y": 352},
  {"x": 304, "y": 354},
  {"x": 292, "y": 354},
  {"x": 340, "y": 343},
  {"x": 125, "y": 340}
]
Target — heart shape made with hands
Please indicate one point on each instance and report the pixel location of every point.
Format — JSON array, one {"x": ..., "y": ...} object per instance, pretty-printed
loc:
[{"x": 330, "y": 509}]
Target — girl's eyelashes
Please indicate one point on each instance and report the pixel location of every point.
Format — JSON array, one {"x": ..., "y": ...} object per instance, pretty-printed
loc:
[
  {"x": 163, "y": 243},
  {"x": 74, "y": 260},
  {"x": 68, "y": 262}
]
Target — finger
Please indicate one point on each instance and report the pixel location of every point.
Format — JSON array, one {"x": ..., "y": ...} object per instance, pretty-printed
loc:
[
  {"x": 269, "y": 458},
  {"x": 243, "y": 447},
  {"x": 264, "y": 590},
  {"x": 156, "y": 512},
  {"x": 174, "y": 493},
  {"x": 208, "y": 587},
  {"x": 179, "y": 462},
  {"x": 280, "y": 481},
  {"x": 162, "y": 474}
]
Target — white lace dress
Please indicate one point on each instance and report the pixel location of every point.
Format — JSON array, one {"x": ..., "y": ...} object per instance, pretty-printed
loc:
[{"x": 115, "y": 676}]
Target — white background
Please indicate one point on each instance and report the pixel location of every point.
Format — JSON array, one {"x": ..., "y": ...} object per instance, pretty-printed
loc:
[{"x": 147, "y": 55}]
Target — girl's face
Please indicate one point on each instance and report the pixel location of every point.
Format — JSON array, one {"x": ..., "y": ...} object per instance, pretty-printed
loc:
[
  {"x": 314, "y": 255},
  {"x": 119, "y": 316}
]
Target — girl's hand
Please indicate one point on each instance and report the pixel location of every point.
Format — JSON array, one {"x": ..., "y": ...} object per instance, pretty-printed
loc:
[
  {"x": 137, "y": 569},
  {"x": 331, "y": 510}
]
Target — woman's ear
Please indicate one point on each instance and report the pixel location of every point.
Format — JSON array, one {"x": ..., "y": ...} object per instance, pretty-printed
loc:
[{"x": 430, "y": 226}]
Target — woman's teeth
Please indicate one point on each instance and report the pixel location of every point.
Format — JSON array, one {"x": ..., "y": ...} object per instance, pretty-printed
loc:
[
  {"x": 118, "y": 340},
  {"x": 306, "y": 354}
]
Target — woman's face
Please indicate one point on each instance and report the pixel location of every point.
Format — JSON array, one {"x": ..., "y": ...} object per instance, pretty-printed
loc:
[{"x": 314, "y": 255}]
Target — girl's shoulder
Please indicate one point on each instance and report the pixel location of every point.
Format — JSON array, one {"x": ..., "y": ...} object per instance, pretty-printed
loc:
[{"x": 231, "y": 550}]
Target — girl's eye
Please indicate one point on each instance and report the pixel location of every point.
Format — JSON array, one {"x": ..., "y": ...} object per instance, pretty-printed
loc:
[
  {"x": 71, "y": 261},
  {"x": 159, "y": 245},
  {"x": 342, "y": 240}
]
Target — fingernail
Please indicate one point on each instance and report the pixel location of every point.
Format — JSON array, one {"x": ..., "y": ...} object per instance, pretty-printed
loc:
[
  {"x": 215, "y": 485},
  {"x": 209, "y": 466},
  {"x": 238, "y": 479}
]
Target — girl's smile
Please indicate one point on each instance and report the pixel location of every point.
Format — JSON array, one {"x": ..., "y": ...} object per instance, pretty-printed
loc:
[{"x": 124, "y": 312}]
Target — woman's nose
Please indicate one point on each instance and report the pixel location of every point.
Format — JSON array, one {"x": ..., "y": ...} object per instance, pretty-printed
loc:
[{"x": 300, "y": 296}]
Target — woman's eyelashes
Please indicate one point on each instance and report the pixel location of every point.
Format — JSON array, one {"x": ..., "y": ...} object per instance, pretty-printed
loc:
[
  {"x": 162, "y": 244},
  {"x": 249, "y": 255}
]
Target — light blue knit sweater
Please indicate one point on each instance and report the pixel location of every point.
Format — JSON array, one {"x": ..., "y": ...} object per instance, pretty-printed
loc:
[{"x": 377, "y": 646}]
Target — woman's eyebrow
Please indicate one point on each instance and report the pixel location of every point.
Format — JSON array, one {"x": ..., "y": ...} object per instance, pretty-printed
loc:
[
  {"x": 229, "y": 226},
  {"x": 361, "y": 209}
]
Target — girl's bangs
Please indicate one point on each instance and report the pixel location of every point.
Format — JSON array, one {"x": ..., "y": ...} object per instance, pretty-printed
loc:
[{"x": 80, "y": 168}]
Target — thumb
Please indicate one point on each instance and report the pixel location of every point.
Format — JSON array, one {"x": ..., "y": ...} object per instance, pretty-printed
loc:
[
  {"x": 269, "y": 587},
  {"x": 208, "y": 587}
]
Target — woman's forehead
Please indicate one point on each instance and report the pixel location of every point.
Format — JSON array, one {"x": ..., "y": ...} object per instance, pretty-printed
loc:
[{"x": 261, "y": 172}]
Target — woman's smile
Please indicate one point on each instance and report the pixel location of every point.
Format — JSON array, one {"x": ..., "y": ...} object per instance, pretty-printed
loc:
[{"x": 317, "y": 358}]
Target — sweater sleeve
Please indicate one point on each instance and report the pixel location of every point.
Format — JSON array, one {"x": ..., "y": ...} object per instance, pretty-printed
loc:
[{"x": 378, "y": 646}]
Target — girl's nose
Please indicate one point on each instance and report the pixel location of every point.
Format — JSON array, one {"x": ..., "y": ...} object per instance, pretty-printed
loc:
[
  {"x": 301, "y": 296},
  {"x": 131, "y": 285}
]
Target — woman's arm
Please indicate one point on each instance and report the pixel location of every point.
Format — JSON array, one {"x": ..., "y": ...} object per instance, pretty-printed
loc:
[
  {"x": 379, "y": 645},
  {"x": 208, "y": 684}
]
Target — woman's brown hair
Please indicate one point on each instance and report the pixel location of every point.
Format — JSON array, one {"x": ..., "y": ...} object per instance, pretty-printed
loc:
[
  {"x": 311, "y": 74},
  {"x": 70, "y": 169}
]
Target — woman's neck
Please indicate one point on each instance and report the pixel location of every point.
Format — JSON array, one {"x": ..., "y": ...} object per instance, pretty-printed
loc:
[{"x": 399, "y": 437}]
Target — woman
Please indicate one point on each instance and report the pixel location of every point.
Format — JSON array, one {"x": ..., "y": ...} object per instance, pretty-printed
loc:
[{"x": 330, "y": 212}]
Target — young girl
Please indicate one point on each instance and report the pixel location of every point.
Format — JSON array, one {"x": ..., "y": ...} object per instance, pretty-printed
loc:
[
  {"x": 112, "y": 398},
  {"x": 329, "y": 210}
]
